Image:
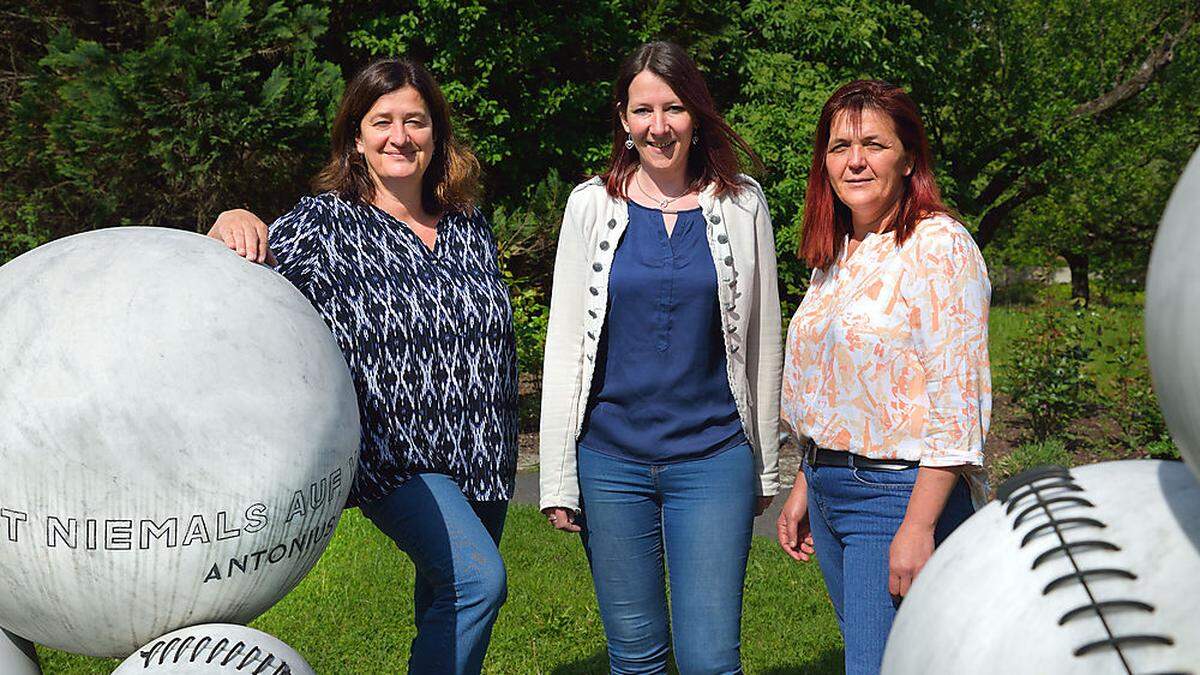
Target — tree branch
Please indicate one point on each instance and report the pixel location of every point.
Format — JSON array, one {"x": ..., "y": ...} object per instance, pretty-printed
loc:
[
  {"x": 1155, "y": 61},
  {"x": 995, "y": 216}
]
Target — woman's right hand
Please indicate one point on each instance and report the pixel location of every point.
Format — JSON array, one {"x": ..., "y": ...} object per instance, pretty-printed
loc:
[
  {"x": 560, "y": 518},
  {"x": 792, "y": 528},
  {"x": 245, "y": 233}
]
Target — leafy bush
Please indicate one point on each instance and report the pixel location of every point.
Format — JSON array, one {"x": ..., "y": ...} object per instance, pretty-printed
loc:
[
  {"x": 225, "y": 106},
  {"x": 1134, "y": 407},
  {"x": 1048, "y": 379},
  {"x": 1029, "y": 455}
]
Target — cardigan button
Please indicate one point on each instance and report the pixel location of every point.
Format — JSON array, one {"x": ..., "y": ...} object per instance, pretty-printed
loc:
[
  {"x": 732, "y": 329},
  {"x": 722, "y": 239},
  {"x": 612, "y": 222},
  {"x": 714, "y": 219},
  {"x": 604, "y": 246},
  {"x": 733, "y": 349},
  {"x": 729, "y": 260},
  {"x": 592, "y": 313},
  {"x": 597, "y": 266},
  {"x": 594, "y": 291},
  {"x": 591, "y": 335}
]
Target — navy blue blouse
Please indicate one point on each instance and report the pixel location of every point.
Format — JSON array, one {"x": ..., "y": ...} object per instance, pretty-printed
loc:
[
  {"x": 661, "y": 390},
  {"x": 428, "y": 336}
]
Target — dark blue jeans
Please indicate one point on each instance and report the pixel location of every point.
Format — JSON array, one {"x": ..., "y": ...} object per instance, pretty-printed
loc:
[
  {"x": 461, "y": 582},
  {"x": 854, "y": 514},
  {"x": 696, "y": 514}
]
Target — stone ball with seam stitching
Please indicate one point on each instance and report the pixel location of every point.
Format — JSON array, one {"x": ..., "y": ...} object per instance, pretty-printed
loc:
[
  {"x": 1173, "y": 314},
  {"x": 180, "y": 432},
  {"x": 1086, "y": 572},
  {"x": 213, "y": 649}
]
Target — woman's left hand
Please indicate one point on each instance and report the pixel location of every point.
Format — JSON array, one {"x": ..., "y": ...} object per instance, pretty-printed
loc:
[
  {"x": 910, "y": 550},
  {"x": 762, "y": 504}
]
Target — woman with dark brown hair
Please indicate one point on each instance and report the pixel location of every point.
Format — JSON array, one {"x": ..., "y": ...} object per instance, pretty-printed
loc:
[
  {"x": 886, "y": 383},
  {"x": 403, "y": 269},
  {"x": 660, "y": 396}
]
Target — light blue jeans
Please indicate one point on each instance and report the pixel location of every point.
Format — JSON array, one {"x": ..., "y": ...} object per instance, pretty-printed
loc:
[
  {"x": 854, "y": 514},
  {"x": 461, "y": 582},
  {"x": 698, "y": 516}
]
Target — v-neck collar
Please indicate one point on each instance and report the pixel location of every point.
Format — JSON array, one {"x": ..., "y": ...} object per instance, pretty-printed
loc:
[{"x": 442, "y": 221}]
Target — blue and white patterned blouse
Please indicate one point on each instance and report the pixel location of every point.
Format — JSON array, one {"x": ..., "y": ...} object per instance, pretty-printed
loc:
[{"x": 428, "y": 336}]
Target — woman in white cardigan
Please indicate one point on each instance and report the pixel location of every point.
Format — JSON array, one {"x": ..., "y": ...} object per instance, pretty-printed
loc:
[{"x": 660, "y": 398}]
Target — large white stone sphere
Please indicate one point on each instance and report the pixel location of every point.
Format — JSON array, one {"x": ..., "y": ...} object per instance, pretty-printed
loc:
[
  {"x": 179, "y": 434},
  {"x": 17, "y": 655},
  {"x": 1173, "y": 314},
  {"x": 998, "y": 596},
  {"x": 215, "y": 649}
]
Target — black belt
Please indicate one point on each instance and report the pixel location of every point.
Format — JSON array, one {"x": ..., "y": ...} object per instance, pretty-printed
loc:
[{"x": 815, "y": 456}]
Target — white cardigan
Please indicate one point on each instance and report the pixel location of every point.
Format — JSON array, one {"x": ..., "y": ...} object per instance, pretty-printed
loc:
[{"x": 743, "y": 248}]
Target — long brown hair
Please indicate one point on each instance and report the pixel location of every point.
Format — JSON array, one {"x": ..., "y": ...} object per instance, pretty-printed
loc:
[
  {"x": 826, "y": 219},
  {"x": 713, "y": 159},
  {"x": 451, "y": 181}
]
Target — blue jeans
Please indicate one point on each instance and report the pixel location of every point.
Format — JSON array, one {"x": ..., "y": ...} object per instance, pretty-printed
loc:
[
  {"x": 854, "y": 514},
  {"x": 461, "y": 582},
  {"x": 699, "y": 514}
]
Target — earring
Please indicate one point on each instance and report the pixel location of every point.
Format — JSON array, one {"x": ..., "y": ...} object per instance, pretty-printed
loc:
[
  {"x": 629, "y": 141},
  {"x": 696, "y": 137}
]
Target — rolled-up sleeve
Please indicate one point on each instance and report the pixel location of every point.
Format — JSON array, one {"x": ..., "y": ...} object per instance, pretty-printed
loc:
[{"x": 948, "y": 295}]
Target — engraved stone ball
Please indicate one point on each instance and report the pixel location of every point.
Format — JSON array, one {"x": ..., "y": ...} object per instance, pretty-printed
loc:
[
  {"x": 214, "y": 649},
  {"x": 17, "y": 655},
  {"x": 1173, "y": 314},
  {"x": 1087, "y": 571},
  {"x": 178, "y": 435}
]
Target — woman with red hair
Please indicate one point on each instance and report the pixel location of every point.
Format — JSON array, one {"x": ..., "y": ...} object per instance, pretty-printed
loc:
[{"x": 886, "y": 380}]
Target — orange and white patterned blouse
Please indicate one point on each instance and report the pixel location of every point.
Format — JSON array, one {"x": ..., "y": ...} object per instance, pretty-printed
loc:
[{"x": 887, "y": 355}]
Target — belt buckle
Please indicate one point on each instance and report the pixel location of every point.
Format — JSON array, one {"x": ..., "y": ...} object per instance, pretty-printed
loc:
[{"x": 810, "y": 452}]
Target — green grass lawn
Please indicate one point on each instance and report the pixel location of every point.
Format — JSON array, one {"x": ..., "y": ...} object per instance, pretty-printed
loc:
[{"x": 353, "y": 613}]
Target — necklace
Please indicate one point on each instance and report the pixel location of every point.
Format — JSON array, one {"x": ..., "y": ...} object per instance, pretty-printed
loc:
[{"x": 662, "y": 202}]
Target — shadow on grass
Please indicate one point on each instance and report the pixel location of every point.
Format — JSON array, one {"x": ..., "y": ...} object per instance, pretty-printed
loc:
[
  {"x": 596, "y": 663},
  {"x": 829, "y": 662}
]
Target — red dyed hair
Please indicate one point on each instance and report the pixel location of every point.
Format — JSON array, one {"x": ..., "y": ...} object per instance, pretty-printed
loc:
[
  {"x": 713, "y": 159},
  {"x": 826, "y": 218}
]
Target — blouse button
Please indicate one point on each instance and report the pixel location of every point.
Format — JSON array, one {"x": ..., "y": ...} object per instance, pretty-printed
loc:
[
  {"x": 722, "y": 239},
  {"x": 597, "y": 266},
  {"x": 594, "y": 291},
  {"x": 612, "y": 222},
  {"x": 714, "y": 219},
  {"x": 604, "y": 246},
  {"x": 729, "y": 260}
]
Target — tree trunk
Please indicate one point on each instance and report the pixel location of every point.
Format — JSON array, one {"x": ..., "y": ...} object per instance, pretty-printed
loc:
[{"x": 1080, "y": 290}]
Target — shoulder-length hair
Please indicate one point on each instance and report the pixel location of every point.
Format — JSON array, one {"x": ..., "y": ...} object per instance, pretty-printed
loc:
[
  {"x": 826, "y": 218},
  {"x": 451, "y": 181},
  {"x": 713, "y": 159}
]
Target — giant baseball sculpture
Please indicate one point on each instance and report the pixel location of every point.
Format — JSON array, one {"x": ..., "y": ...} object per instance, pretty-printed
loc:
[
  {"x": 179, "y": 435},
  {"x": 215, "y": 649},
  {"x": 1090, "y": 571},
  {"x": 1173, "y": 314}
]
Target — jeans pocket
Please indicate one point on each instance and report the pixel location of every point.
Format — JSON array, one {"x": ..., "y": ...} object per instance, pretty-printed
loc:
[{"x": 903, "y": 479}]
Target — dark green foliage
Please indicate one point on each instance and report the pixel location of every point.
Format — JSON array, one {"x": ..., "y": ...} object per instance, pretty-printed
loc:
[
  {"x": 226, "y": 107},
  {"x": 1049, "y": 381}
]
